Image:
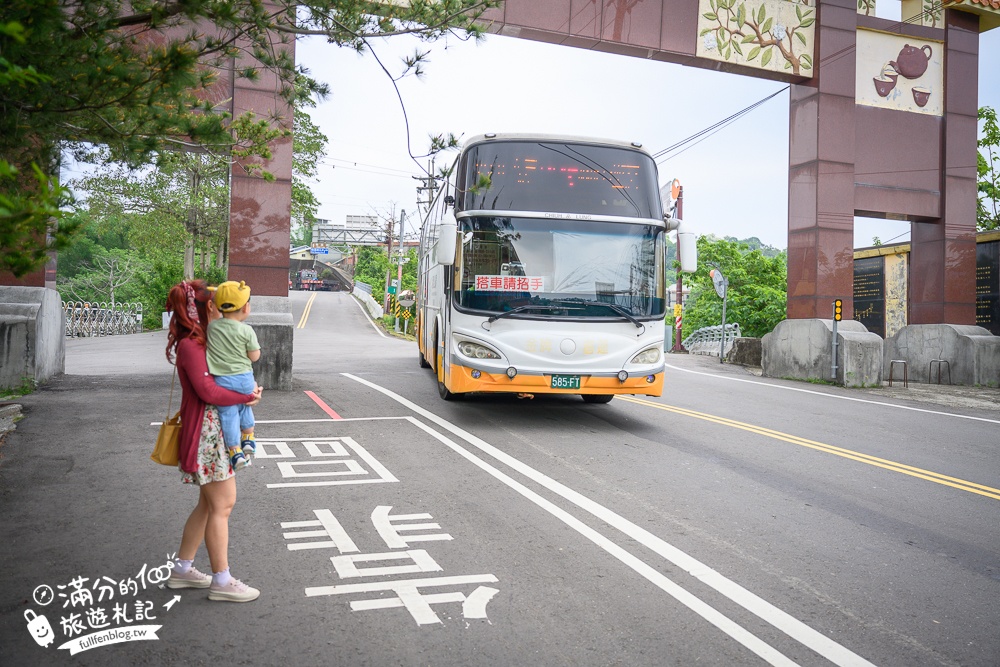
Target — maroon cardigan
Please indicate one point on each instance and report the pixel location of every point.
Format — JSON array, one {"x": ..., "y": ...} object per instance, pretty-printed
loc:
[{"x": 197, "y": 388}]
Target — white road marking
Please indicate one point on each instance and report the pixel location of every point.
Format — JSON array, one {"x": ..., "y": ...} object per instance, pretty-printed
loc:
[
  {"x": 368, "y": 317},
  {"x": 843, "y": 398},
  {"x": 791, "y": 626}
]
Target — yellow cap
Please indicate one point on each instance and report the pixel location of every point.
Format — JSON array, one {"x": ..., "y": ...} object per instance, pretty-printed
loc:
[{"x": 230, "y": 296}]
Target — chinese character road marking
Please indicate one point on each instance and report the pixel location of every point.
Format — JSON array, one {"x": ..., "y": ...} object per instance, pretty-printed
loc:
[
  {"x": 347, "y": 567},
  {"x": 409, "y": 596},
  {"x": 343, "y": 458},
  {"x": 331, "y": 528},
  {"x": 389, "y": 530}
]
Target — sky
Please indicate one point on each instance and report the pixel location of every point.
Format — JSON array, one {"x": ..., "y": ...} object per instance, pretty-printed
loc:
[{"x": 735, "y": 181}]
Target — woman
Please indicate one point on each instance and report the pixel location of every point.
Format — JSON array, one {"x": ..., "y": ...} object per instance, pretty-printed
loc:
[{"x": 203, "y": 457}]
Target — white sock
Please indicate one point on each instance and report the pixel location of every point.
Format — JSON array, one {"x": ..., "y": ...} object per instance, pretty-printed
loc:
[
  {"x": 183, "y": 566},
  {"x": 221, "y": 578}
]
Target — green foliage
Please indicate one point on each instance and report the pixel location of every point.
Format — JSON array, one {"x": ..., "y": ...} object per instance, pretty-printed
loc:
[
  {"x": 137, "y": 78},
  {"x": 757, "y": 287},
  {"x": 308, "y": 148},
  {"x": 27, "y": 386},
  {"x": 372, "y": 264},
  {"x": 988, "y": 209},
  {"x": 370, "y": 267}
]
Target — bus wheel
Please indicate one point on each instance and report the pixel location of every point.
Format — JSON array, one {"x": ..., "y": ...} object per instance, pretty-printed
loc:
[
  {"x": 597, "y": 398},
  {"x": 442, "y": 389}
]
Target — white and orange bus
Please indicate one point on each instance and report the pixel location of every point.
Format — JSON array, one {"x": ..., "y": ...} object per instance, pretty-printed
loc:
[{"x": 542, "y": 270}]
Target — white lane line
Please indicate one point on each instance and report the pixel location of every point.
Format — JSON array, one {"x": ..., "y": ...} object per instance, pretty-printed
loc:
[
  {"x": 368, "y": 317},
  {"x": 843, "y": 398},
  {"x": 709, "y": 613},
  {"x": 791, "y": 626}
]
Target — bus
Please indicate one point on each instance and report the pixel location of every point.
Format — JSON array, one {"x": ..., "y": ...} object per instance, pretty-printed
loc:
[{"x": 542, "y": 270}]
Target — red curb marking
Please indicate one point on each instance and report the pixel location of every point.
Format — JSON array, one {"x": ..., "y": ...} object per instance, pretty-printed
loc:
[{"x": 326, "y": 408}]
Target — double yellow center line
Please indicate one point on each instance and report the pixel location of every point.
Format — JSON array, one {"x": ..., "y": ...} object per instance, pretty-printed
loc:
[
  {"x": 306, "y": 311},
  {"x": 920, "y": 473}
]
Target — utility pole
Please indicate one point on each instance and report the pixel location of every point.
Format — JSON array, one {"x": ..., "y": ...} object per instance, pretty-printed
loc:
[
  {"x": 399, "y": 270},
  {"x": 678, "y": 192},
  {"x": 389, "y": 226},
  {"x": 429, "y": 185}
]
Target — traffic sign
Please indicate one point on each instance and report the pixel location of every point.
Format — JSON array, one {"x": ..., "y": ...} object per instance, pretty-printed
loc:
[
  {"x": 720, "y": 282},
  {"x": 319, "y": 251},
  {"x": 677, "y": 310},
  {"x": 392, "y": 289}
]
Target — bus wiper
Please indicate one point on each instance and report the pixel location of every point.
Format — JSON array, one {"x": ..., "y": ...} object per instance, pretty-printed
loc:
[
  {"x": 521, "y": 309},
  {"x": 613, "y": 306}
]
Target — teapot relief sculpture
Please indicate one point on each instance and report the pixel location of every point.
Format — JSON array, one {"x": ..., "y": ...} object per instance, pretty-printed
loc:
[{"x": 912, "y": 61}]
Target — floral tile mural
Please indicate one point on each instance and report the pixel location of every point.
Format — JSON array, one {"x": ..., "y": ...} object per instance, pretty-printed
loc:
[
  {"x": 899, "y": 73},
  {"x": 774, "y": 35}
]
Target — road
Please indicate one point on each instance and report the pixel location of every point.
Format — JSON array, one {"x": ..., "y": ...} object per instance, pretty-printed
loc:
[{"x": 734, "y": 521}]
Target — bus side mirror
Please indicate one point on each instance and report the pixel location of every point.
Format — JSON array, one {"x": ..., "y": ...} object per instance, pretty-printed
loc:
[
  {"x": 687, "y": 244},
  {"x": 447, "y": 239}
]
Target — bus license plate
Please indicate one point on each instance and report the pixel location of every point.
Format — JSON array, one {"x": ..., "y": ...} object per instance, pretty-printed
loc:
[{"x": 565, "y": 382}]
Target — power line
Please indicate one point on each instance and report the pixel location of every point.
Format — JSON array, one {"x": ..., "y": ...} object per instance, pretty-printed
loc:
[{"x": 700, "y": 136}]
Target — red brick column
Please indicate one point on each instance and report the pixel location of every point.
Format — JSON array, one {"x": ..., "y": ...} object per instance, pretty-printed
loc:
[
  {"x": 943, "y": 251},
  {"x": 821, "y": 157}
]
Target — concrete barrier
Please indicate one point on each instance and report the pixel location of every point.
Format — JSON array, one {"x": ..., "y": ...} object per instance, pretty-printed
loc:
[
  {"x": 374, "y": 309},
  {"x": 32, "y": 335},
  {"x": 971, "y": 352},
  {"x": 801, "y": 349},
  {"x": 271, "y": 319},
  {"x": 745, "y": 352}
]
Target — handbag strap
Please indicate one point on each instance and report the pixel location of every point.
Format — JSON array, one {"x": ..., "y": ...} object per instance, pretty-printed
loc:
[{"x": 171, "y": 399}]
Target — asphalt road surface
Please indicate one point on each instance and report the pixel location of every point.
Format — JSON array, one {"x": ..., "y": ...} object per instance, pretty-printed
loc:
[{"x": 736, "y": 520}]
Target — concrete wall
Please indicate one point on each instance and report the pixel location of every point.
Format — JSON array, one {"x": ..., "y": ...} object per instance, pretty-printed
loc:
[
  {"x": 972, "y": 352},
  {"x": 745, "y": 351},
  {"x": 271, "y": 319},
  {"x": 32, "y": 335},
  {"x": 371, "y": 304},
  {"x": 801, "y": 349}
]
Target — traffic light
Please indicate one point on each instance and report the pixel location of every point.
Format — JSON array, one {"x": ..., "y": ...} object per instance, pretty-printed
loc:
[{"x": 838, "y": 310}]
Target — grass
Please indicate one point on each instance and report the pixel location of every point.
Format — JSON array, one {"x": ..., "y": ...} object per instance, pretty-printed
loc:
[{"x": 27, "y": 386}]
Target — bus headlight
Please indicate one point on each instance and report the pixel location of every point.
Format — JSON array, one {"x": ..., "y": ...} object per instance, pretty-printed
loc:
[
  {"x": 648, "y": 356},
  {"x": 476, "y": 351}
]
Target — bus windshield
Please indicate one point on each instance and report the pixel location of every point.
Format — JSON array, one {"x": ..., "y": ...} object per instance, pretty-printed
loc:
[
  {"x": 564, "y": 269},
  {"x": 548, "y": 176}
]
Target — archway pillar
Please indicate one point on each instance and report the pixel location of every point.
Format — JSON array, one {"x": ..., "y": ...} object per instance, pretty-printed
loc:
[
  {"x": 943, "y": 251},
  {"x": 821, "y": 148}
]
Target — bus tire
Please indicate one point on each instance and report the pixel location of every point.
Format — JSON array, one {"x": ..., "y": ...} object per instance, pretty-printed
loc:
[
  {"x": 423, "y": 362},
  {"x": 597, "y": 398},
  {"x": 439, "y": 372}
]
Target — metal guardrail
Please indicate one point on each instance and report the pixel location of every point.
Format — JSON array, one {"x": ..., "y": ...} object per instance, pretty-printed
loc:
[
  {"x": 86, "y": 319},
  {"x": 362, "y": 287},
  {"x": 707, "y": 339}
]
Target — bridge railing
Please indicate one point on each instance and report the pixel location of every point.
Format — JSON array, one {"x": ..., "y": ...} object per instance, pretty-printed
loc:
[
  {"x": 707, "y": 339},
  {"x": 86, "y": 319}
]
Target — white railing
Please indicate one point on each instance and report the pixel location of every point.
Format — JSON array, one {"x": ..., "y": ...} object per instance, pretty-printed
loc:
[
  {"x": 87, "y": 318},
  {"x": 707, "y": 340}
]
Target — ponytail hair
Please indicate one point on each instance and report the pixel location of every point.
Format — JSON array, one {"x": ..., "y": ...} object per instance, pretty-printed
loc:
[{"x": 187, "y": 301}]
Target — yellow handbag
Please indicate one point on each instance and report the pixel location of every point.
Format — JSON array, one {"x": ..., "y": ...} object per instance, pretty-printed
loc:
[{"x": 168, "y": 440}]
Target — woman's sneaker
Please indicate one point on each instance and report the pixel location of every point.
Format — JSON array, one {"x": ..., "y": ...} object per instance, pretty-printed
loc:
[
  {"x": 234, "y": 591},
  {"x": 193, "y": 578}
]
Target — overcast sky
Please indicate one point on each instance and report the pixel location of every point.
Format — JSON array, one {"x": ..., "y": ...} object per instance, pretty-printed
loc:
[{"x": 735, "y": 181}]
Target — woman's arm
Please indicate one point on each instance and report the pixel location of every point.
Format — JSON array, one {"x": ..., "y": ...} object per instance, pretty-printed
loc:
[{"x": 191, "y": 357}]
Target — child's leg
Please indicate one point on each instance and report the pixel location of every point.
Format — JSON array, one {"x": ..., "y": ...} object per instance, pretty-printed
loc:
[
  {"x": 229, "y": 418},
  {"x": 247, "y": 442}
]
